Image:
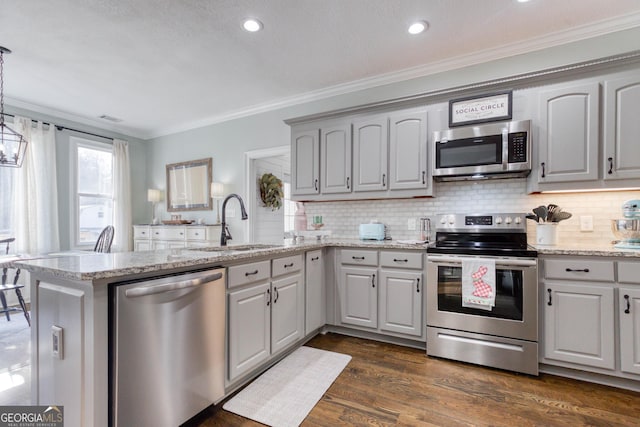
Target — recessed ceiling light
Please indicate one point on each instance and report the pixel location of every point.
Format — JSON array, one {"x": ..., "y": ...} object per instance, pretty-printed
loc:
[
  {"x": 252, "y": 25},
  {"x": 418, "y": 27}
]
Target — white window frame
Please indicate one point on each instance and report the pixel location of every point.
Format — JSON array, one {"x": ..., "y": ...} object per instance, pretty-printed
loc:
[{"x": 76, "y": 143}]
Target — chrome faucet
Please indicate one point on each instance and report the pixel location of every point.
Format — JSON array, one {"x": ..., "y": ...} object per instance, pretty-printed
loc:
[{"x": 225, "y": 234}]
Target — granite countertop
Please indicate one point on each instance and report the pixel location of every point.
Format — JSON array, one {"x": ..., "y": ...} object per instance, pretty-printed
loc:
[{"x": 92, "y": 266}]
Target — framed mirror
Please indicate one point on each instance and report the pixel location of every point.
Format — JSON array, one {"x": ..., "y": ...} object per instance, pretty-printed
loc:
[{"x": 188, "y": 185}]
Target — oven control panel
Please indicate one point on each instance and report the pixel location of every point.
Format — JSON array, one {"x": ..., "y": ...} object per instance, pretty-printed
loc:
[{"x": 470, "y": 222}]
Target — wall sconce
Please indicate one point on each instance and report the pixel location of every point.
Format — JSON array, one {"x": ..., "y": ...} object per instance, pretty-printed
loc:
[
  {"x": 154, "y": 196},
  {"x": 217, "y": 192}
]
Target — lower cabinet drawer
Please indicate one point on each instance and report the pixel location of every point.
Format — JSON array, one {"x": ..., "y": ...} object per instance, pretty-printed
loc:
[
  {"x": 248, "y": 273},
  {"x": 167, "y": 233},
  {"x": 286, "y": 265},
  {"x": 196, "y": 233},
  {"x": 401, "y": 259},
  {"x": 359, "y": 257},
  {"x": 580, "y": 269},
  {"x": 629, "y": 272}
]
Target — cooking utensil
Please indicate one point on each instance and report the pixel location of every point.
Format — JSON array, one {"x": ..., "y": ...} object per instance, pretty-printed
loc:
[
  {"x": 560, "y": 216},
  {"x": 536, "y": 218},
  {"x": 541, "y": 211},
  {"x": 551, "y": 210}
]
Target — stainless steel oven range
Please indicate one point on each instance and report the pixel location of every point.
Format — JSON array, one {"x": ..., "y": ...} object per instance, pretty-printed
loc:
[{"x": 482, "y": 292}]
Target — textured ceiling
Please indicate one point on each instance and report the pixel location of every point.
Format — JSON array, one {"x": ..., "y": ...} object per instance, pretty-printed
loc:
[{"x": 165, "y": 65}]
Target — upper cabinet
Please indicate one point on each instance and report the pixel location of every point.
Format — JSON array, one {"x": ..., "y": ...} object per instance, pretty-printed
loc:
[
  {"x": 622, "y": 128},
  {"x": 587, "y": 134},
  {"x": 408, "y": 153},
  {"x": 568, "y": 136},
  {"x": 370, "y": 152},
  {"x": 376, "y": 156},
  {"x": 335, "y": 158},
  {"x": 305, "y": 161}
]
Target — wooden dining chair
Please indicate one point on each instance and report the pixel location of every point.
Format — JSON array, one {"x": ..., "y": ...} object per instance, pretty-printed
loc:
[
  {"x": 104, "y": 240},
  {"x": 15, "y": 286}
]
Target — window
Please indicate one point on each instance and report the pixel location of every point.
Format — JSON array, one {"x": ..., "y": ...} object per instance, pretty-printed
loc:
[
  {"x": 6, "y": 194},
  {"x": 93, "y": 190},
  {"x": 289, "y": 209}
]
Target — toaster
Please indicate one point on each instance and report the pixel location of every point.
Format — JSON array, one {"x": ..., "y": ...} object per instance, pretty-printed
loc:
[{"x": 372, "y": 231}]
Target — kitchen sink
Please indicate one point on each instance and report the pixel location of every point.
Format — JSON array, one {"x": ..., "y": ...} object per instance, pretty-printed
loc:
[{"x": 240, "y": 248}]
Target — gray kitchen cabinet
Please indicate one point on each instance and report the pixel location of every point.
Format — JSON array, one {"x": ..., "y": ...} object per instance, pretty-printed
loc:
[
  {"x": 266, "y": 311},
  {"x": 401, "y": 295},
  {"x": 359, "y": 296},
  {"x": 621, "y": 128},
  {"x": 315, "y": 299},
  {"x": 579, "y": 324},
  {"x": 568, "y": 133},
  {"x": 408, "y": 153},
  {"x": 335, "y": 157},
  {"x": 249, "y": 328},
  {"x": 370, "y": 148},
  {"x": 629, "y": 315},
  {"x": 305, "y": 161}
]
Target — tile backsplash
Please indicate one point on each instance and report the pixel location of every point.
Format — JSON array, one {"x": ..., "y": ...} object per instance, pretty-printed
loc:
[{"x": 343, "y": 217}]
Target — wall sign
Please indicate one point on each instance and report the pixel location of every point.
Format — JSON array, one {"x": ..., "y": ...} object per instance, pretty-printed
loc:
[{"x": 480, "y": 109}]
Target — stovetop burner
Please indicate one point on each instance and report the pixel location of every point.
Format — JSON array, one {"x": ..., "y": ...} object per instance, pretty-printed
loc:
[{"x": 482, "y": 234}]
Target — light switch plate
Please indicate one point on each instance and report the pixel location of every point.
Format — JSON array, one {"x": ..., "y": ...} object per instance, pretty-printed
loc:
[
  {"x": 57, "y": 342},
  {"x": 586, "y": 223},
  {"x": 411, "y": 224}
]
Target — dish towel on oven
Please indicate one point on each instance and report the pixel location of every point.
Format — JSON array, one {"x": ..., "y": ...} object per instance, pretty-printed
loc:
[{"x": 479, "y": 283}]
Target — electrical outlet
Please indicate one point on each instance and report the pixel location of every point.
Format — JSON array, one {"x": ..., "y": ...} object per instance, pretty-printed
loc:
[
  {"x": 586, "y": 223},
  {"x": 411, "y": 224}
]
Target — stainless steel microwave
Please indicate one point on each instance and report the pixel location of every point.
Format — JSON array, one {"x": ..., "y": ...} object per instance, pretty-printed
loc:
[{"x": 495, "y": 150}]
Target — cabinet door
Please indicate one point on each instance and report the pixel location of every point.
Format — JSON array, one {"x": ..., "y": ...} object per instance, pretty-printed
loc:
[
  {"x": 401, "y": 301},
  {"x": 408, "y": 156},
  {"x": 315, "y": 299},
  {"x": 579, "y": 324},
  {"x": 305, "y": 161},
  {"x": 358, "y": 296},
  {"x": 370, "y": 147},
  {"x": 629, "y": 312},
  {"x": 287, "y": 312},
  {"x": 249, "y": 328},
  {"x": 335, "y": 158},
  {"x": 569, "y": 133},
  {"x": 622, "y": 128}
]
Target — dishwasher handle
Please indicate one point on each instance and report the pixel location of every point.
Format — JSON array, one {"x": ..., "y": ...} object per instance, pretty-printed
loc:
[{"x": 142, "y": 291}]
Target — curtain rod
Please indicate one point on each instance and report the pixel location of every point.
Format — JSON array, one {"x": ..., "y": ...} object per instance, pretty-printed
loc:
[{"x": 61, "y": 128}]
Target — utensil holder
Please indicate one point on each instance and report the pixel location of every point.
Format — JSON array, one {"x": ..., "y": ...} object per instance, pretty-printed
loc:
[{"x": 547, "y": 234}]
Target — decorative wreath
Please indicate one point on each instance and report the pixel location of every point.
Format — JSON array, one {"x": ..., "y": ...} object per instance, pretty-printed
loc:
[{"x": 271, "y": 191}]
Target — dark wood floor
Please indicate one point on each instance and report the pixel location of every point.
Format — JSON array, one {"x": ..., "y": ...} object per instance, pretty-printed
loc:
[{"x": 388, "y": 385}]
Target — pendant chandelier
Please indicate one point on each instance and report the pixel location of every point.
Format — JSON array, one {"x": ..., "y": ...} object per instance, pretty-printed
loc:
[{"x": 12, "y": 145}]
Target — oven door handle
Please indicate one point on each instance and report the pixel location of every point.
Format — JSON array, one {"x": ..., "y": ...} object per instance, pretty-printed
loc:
[{"x": 500, "y": 262}]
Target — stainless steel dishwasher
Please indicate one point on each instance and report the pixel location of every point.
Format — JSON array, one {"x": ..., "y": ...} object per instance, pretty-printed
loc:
[{"x": 167, "y": 348}]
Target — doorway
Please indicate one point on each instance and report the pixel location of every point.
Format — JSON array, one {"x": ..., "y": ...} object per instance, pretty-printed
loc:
[{"x": 267, "y": 225}]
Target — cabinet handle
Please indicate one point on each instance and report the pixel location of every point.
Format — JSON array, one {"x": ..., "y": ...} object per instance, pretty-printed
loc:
[
  {"x": 549, "y": 302},
  {"x": 543, "y": 174},
  {"x": 348, "y": 185},
  {"x": 315, "y": 184},
  {"x": 268, "y": 297},
  {"x": 197, "y": 234},
  {"x": 181, "y": 233},
  {"x": 628, "y": 309},
  {"x": 275, "y": 290},
  {"x": 610, "y": 165},
  {"x": 250, "y": 273},
  {"x": 315, "y": 258},
  {"x": 384, "y": 179},
  {"x": 583, "y": 270},
  {"x": 418, "y": 285},
  {"x": 400, "y": 260},
  {"x": 288, "y": 265},
  {"x": 373, "y": 280},
  {"x": 424, "y": 177},
  {"x": 357, "y": 257}
]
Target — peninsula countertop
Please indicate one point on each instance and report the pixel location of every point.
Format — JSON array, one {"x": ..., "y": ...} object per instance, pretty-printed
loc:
[{"x": 91, "y": 266}]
